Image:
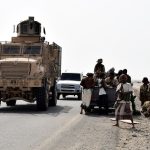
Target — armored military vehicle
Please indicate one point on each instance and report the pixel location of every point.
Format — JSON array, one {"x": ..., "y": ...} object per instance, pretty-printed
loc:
[{"x": 29, "y": 67}]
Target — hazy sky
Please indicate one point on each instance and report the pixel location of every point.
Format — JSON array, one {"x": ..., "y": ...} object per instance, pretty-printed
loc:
[{"x": 116, "y": 30}]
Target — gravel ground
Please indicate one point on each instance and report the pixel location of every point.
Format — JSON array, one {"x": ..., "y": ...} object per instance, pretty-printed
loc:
[
  {"x": 96, "y": 132},
  {"x": 138, "y": 138}
]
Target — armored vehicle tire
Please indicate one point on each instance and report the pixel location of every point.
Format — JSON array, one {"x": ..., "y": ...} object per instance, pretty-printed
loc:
[
  {"x": 41, "y": 98},
  {"x": 53, "y": 98},
  {"x": 11, "y": 103}
]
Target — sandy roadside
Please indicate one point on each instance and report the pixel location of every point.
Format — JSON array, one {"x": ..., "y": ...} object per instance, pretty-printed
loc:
[{"x": 138, "y": 138}]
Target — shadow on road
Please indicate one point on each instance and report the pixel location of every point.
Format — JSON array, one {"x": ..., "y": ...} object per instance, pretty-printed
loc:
[
  {"x": 98, "y": 113},
  {"x": 31, "y": 109},
  {"x": 70, "y": 99}
]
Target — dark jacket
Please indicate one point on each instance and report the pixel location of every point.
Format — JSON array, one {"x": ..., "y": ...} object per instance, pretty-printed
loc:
[
  {"x": 99, "y": 67},
  {"x": 87, "y": 83}
]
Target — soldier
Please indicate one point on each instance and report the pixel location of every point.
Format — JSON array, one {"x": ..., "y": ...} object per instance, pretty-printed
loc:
[
  {"x": 99, "y": 67},
  {"x": 144, "y": 91},
  {"x": 125, "y": 71},
  {"x": 103, "y": 100},
  {"x": 111, "y": 81},
  {"x": 118, "y": 74},
  {"x": 88, "y": 83}
]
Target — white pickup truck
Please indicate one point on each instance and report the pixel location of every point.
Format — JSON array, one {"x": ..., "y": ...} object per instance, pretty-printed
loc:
[{"x": 69, "y": 84}]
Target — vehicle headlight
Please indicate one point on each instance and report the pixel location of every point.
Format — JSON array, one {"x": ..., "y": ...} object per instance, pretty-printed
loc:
[
  {"x": 78, "y": 87},
  {"x": 58, "y": 86}
]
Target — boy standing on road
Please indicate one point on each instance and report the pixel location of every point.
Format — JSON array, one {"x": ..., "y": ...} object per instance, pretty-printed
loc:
[{"x": 124, "y": 91}]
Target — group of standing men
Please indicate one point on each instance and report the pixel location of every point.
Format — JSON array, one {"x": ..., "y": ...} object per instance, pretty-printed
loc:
[{"x": 121, "y": 82}]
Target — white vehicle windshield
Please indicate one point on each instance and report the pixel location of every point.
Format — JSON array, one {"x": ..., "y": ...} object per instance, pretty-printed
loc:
[
  {"x": 32, "y": 50},
  {"x": 71, "y": 76},
  {"x": 11, "y": 49}
]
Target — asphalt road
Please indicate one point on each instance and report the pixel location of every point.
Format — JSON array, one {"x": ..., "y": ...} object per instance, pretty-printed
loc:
[{"x": 60, "y": 128}]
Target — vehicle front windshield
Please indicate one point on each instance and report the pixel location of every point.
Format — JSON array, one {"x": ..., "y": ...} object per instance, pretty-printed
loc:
[
  {"x": 70, "y": 76},
  {"x": 32, "y": 50},
  {"x": 11, "y": 49}
]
